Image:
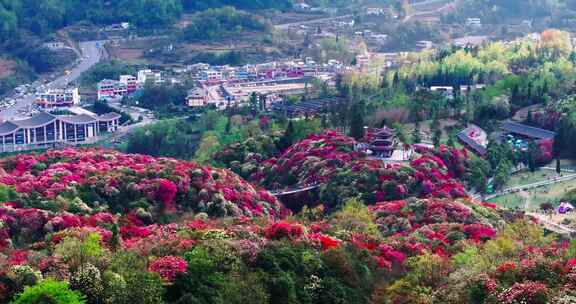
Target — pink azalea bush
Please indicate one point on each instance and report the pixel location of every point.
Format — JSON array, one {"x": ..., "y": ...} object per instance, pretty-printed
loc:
[{"x": 109, "y": 180}]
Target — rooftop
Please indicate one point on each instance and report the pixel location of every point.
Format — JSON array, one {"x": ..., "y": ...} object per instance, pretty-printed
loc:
[
  {"x": 109, "y": 116},
  {"x": 528, "y": 131},
  {"x": 78, "y": 119},
  {"x": 472, "y": 143},
  {"x": 36, "y": 121},
  {"x": 44, "y": 118}
]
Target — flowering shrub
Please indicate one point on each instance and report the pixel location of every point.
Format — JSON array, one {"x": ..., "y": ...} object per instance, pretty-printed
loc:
[
  {"x": 108, "y": 180},
  {"x": 282, "y": 230},
  {"x": 244, "y": 158},
  {"x": 166, "y": 193},
  {"x": 314, "y": 159},
  {"x": 323, "y": 241},
  {"x": 527, "y": 292},
  {"x": 168, "y": 267},
  {"x": 121, "y": 227},
  {"x": 376, "y": 181},
  {"x": 50, "y": 291}
]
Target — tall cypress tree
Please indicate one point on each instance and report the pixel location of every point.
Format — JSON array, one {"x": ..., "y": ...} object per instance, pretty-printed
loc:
[
  {"x": 357, "y": 120},
  {"x": 288, "y": 138}
]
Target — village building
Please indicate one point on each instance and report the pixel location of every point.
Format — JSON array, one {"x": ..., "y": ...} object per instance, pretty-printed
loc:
[
  {"x": 474, "y": 22},
  {"x": 52, "y": 98},
  {"x": 130, "y": 82},
  {"x": 54, "y": 45},
  {"x": 424, "y": 44},
  {"x": 375, "y": 11},
  {"x": 470, "y": 41},
  {"x": 525, "y": 131},
  {"x": 149, "y": 76},
  {"x": 196, "y": 98},
  {"x": 110, "y": 89},
  {"x": 46, "y": 130},
  {"x": 475, "y": 139}
]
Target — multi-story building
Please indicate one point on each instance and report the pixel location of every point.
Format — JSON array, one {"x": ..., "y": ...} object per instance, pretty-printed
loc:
[
  {"x": 424, "y": 44},
  {"x": 196, "y": 98},
  {"x": 110, "y": 89},
  {"x": 375, "y": 11},
  {"x": 52, "y": 98},
  {"x": 474, "y": 22},
  {"x": 131, "y": 83},
  {"x": 46, "y": 130},
  {"x": 145, "y": 76}
]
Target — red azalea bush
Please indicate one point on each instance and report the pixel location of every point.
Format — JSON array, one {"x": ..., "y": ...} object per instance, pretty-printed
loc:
[
  {"x": 109, "y": 180},
  {"x": 168, "y": 267},
  {"x": 323, "y": 241},
  {"x": 282, "y": 230},
  {"x": 311, "y": 160}
]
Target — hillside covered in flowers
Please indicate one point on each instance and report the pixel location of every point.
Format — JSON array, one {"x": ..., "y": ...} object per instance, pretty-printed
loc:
[{"x": 99, "y": 226}]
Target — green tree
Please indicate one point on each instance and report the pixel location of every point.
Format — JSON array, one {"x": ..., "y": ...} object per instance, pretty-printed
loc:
[
  {"x": 436, "y": 137},
  {"x": 533, "y": 152},
  {"x": 288, "y": 138},
  {"x": 357, "y": 120},
  {"x": 502, "y": 174},
  {"x": 416, "y": 134},
  {"x": 478, "y": 177},
  {"x": 49, "y": 291},
  {"x": 208, "y": 146},
  {"x": 253, "y": 101}
]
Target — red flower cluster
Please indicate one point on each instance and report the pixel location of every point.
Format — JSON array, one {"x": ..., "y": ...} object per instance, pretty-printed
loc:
[
  {"x": 325, "y": 242},
  {"x": 506, "y": 267},
  {"x": 281, "y": 230},
  {"x": 168, "y": 267},
  {"x": 166, "y": 193}
]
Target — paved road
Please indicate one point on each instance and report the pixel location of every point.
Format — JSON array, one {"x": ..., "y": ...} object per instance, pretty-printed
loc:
[
  {"x": 92, "y": 53},
  {"x": 552, "y": 226},
  {"x": 135, "y": 113}
]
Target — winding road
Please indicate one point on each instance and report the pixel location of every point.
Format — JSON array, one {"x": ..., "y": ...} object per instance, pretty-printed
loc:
[{"x": 92, "y": 52}]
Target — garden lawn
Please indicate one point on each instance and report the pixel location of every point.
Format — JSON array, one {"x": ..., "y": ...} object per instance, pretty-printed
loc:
[
  {"x": 510, "y": 201},
  {"x": 550, "y": 193},
  {"x": 525, "y": 178}
]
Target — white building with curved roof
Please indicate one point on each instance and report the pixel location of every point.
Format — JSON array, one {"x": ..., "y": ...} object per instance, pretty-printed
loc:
[{"x": 46, "y": 130}]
